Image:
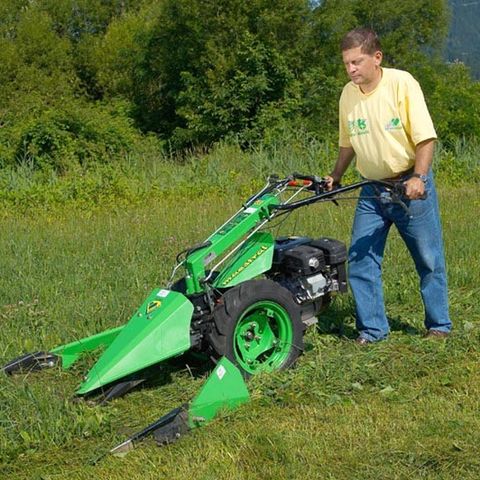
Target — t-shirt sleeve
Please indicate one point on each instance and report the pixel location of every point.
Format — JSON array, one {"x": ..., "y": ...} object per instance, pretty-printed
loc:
[
  {"x": 344, "y": 137},
  {"x": 413, "y": 109}
]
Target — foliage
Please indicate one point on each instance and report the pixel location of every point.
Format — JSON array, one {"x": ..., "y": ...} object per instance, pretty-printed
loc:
[
  {"x": 234, "y": 68},
  {"x": 116, "y": 56},
  {"x": 36, "y": 65},
  {"x": 194, "y": 72},
  {"x": 393, "y": 22},
  {"x": 145, "y": 174},
  {"x": 69, "y": 136},
  {"x": 212, "y": 66},
  {"x": 230, "y": 101},
  {"x": 455, "y": 104}
]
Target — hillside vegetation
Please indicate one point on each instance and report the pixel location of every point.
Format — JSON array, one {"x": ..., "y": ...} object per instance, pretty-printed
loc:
[{"x": 92, "y": 81}]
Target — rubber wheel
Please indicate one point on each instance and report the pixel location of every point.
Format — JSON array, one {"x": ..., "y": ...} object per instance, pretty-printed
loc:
[{"x": 258, "y": 327}]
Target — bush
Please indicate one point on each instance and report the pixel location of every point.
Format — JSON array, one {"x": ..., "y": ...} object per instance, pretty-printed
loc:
[
  {"x": 455, "y": 104},
  {"x": 73, "y": 135}
]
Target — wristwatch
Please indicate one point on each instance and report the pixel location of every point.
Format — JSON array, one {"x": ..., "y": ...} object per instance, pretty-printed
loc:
[{"x": 422, "y": 177}]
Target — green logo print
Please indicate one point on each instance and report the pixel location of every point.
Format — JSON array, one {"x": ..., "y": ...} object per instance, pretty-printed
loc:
[
  {"x": 393, "y": 124},
  {"x": 362, "y": 124},
  {"x": 357, "y": 127}
]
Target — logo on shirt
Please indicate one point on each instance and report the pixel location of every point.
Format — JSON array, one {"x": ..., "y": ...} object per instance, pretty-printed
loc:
[
  {"x": 393, "y": 124},
  {"x": 358, "y": 127}
]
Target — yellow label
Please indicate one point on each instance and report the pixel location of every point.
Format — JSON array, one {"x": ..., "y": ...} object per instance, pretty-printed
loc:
[
  {"x": 240, "y": 269},
  {"x": 153, "y": 306}
]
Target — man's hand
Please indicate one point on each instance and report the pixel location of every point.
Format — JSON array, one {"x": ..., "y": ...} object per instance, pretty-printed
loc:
[
  {"x": 414, "y": 188},
  {"x": 331, "y": 181}
]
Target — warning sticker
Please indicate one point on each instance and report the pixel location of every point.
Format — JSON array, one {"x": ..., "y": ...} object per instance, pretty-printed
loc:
[
  {"x": 163, "y": 293},
  {"x": 153, "y": 306},
  {"x": 221, "y": 371}
]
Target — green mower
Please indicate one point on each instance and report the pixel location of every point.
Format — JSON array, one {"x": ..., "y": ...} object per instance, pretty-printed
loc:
[{"x": 244, "y": 299}]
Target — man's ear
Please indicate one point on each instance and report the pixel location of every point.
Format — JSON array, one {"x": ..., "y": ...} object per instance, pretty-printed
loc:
[{"x": 378, "y": 55}]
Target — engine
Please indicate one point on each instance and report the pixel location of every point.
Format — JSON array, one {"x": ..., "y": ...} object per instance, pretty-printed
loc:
[{"x": 311, "y": 270}]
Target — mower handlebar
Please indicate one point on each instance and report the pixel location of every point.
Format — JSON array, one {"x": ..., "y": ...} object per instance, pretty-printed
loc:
[
  {"x": 311, "y": 182},
  {"x": 395, "y": 191}
]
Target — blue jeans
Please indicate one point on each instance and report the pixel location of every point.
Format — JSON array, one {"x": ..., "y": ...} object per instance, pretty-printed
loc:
[{"x": 422, "y": 234}]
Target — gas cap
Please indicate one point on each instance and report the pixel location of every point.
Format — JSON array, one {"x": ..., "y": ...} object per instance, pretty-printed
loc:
[{"x": 313, "y": 262}]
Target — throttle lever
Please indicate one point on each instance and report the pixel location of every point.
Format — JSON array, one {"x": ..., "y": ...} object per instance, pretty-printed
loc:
[{"x": 397, "y": 194}]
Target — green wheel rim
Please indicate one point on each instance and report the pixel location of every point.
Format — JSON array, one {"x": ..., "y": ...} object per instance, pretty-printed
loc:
[{"x": 263, "y": 337}]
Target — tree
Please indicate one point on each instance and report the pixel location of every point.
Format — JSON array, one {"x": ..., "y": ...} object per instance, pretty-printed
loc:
[{"x": 211, "y": 66}]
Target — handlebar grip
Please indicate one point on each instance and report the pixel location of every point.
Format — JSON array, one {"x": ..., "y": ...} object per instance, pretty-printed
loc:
[
  {"x": 312, "y": 182},
  {"x": 299, "y": 183},
  {"x": 400, "y": 189}
]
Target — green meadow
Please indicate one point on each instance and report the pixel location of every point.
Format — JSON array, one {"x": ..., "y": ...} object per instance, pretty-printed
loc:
[{"x": 80, "y": 252}]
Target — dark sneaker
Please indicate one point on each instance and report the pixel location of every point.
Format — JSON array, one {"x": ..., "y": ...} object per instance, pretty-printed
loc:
[{"x": 437, "y": 334}]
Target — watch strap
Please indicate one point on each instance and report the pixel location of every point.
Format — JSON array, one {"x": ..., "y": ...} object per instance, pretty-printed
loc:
[{"x": 422, "y": 177}]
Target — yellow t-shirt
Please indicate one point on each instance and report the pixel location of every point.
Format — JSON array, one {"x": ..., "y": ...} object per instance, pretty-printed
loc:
[{"x": 385, "y": 125}]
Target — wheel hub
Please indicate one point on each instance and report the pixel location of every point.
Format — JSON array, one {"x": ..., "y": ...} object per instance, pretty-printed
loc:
[
  {"x": 263, "y": 337},
  {"x": 249, "y": 335}
]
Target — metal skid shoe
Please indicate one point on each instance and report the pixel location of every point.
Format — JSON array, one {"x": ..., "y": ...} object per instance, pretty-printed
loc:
[
  {"x": 31, "y": 362},
  {"x": 225, "y": 389}
]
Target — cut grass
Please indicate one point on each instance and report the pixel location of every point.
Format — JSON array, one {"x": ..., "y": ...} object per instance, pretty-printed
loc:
[{"x": 405, "y": 408}]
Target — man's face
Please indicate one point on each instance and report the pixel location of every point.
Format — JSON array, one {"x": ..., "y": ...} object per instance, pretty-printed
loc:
[{"x": 362, "y": 68}]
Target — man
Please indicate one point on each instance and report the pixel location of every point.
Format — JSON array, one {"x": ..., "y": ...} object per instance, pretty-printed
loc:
[{"x": 385, "y": 124}]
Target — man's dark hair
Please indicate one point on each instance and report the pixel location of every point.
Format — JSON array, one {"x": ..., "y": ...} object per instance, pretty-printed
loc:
[{"x": 362, "y": 37}]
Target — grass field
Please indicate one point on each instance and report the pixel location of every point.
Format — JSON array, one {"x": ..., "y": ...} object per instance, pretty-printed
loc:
[{"x": 404, "y": 408}]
